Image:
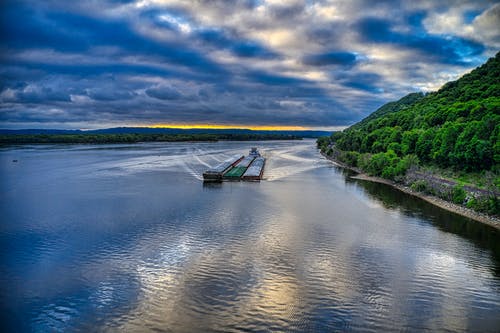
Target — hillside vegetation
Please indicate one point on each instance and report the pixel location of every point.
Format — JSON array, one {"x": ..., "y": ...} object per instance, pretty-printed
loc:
[{"x": 455, "y": 129}]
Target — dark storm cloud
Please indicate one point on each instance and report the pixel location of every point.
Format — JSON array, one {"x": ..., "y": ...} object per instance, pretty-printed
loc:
[
  {"x": 68, "y": 32},
  {"x": 273, "y": 79},
  {"x": 110, "y": 94},
  {"x": 287, "y": 12},
  {"x": 86, "y": 70},
  {"x": 165, "y": 93},
  {"x": 242, "y": 48},
  {"x": 369, "y": 82},
  {"x": 43, "y": 94},
  {"x": 252, "y": 50},
  {"x": 330, "y": 58},
  {"x": 294, "y": 62}
]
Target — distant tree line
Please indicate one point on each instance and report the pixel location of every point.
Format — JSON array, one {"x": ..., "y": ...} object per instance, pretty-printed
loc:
[{"x": 134, "y": 138}]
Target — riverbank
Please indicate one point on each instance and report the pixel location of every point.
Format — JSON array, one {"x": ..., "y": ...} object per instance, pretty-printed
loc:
[
  {"x": 449, "y": 206},
  {"x": 109, "y": 138}
]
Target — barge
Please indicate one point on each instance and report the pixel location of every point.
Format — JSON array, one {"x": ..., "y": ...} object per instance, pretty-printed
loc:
[
  {"x": 238, "y": 167},
  {"x": 215, "y": 174},
  {"x": 256, "y": 170}
]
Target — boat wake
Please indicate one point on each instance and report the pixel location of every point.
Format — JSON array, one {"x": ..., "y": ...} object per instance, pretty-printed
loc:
[
  {"x": 284, "y": 163},
  {"x": 287, "y": 171},
  {"x": 191, "y": 160}
]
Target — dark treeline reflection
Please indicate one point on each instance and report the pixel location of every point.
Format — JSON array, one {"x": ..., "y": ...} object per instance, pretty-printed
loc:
[{"x": 482, "y": 235}]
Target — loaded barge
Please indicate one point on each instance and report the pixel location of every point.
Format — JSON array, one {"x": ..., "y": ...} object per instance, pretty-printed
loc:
[
  {"x": 238, "y": 167},
  {"x": 216, "y": 173}
]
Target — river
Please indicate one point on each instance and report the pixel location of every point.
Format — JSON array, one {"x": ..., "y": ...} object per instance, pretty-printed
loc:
[{"x": 128, "y": 238}]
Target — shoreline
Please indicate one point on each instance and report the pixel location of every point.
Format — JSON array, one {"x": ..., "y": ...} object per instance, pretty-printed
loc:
[
  {"x": 449, "y": 206},
  {"x": 11, "y": 144}
]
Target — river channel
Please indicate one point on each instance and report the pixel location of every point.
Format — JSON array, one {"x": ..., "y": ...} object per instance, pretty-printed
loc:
[{"x": 128, "y": 238}]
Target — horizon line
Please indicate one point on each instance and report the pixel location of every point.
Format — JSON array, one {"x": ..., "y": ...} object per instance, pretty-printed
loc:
[
  {"x": 230, "y": 126},
  {"x": 199, "y": 126}
]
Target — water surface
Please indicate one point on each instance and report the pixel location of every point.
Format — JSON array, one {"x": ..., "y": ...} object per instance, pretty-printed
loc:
[{"x": 127, "y": 238}]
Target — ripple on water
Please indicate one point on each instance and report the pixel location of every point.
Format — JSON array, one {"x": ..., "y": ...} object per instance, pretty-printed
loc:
[{"x": 138, "y": 244}]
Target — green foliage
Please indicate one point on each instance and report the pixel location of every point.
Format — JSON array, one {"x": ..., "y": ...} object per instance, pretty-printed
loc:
[
  {"x": 350, "y": 158},
  {"x": 456, "y": 127},
  {"x": 388, "y": 164},
  {"x": 322, "y": 142},
  {"x": 420, "y": 186},
  {"x": 458, "y": 194},
  {"x": 363, "y": 161},
  {"x": 488, "y": 205},
  {"x": 383, "y": 164}
]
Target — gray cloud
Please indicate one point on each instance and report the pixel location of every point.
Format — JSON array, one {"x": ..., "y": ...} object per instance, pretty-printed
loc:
[
  {"x": 164, "y": 93},
  {"x": 310, "y": 63},
  {"x": 330, "y": 58}
]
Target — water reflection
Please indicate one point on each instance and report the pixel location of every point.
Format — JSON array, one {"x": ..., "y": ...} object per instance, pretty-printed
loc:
[
  {"x": 129, "y": 239},
  {"x": 483, "y": 236}
]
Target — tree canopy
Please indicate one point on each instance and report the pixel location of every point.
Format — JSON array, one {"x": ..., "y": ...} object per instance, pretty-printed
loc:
[{"x": 455, "y": 127}]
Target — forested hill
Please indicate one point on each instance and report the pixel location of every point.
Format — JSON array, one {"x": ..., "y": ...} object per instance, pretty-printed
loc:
[
  {"x": 390, "y": 107},
  {"x": 456, "y": 127}
]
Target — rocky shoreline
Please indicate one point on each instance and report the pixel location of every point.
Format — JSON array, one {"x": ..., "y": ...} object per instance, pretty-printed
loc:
[{"x": 469, "y": 213}]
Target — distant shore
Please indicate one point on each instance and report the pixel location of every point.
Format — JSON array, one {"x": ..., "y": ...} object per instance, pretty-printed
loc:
[
  {"x": 449, "y": 206},
  {"x": 17, "y": 139}
]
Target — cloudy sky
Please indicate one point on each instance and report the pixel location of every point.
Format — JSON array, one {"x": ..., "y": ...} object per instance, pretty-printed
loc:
[{"x": 315, "y": 64}]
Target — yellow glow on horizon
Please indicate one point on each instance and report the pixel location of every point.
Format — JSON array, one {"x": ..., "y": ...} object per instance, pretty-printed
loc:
[{"x": 221, "y": 126}]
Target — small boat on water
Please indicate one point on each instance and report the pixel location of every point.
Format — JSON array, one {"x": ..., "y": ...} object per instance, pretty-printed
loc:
[
  {"x": 254, "y": 152},
  {"x": 238, "y": 167}
]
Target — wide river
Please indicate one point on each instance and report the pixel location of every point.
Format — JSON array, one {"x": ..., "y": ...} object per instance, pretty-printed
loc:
[{"x": 126, "y": 238}]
